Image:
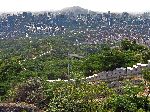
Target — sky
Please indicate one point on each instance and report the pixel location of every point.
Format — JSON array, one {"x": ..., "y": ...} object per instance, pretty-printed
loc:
[{"x": 94, "y": 5}]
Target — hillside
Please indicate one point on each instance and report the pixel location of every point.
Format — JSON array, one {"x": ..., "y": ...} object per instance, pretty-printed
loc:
[{"x": 76, "y": 10}]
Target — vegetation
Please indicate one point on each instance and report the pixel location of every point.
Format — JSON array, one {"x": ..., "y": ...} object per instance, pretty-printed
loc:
[
  {"x": 127, "y": 55},
  {"x": 26, "y": 64}
]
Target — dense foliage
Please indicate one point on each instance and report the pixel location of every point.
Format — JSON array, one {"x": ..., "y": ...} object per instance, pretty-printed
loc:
[
  {"x": 22, "y": 60},
  {"x": 80, "y": 96},
  {"x": 128, "y": 54}
]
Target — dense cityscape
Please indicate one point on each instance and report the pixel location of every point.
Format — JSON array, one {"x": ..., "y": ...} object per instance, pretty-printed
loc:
[{"x": 95, "y": 27}]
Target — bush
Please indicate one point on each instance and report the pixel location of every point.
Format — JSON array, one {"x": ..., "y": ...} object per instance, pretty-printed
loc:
[{"x": 30, "y": 92}]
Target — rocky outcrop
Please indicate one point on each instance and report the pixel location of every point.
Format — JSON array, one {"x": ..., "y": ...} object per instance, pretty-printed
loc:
[{"x": 18, "y": 107}]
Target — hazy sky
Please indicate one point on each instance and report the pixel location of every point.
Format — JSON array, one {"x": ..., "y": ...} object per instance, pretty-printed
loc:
[{"x": 95, "y": 5}]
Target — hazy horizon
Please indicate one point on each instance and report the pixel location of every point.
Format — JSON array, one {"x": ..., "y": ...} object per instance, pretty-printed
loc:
[{"x": 94, "y": 5}]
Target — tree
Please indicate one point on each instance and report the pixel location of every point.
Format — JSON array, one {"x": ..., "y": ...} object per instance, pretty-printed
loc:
[
  {"x": 132, "y": 46},
  {"x": 9, "y": 74},
  {"x": 104, "y": 61}
]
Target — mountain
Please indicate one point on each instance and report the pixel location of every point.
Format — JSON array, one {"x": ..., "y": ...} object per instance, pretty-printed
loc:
[{"x": 76, "y": 10}]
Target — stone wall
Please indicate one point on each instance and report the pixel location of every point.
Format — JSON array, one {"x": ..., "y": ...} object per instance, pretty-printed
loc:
[{"x": 116, "y": 74}]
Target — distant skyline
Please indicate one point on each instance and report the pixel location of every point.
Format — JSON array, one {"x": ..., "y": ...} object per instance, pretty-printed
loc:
[{"x": 94, "y": 5}]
